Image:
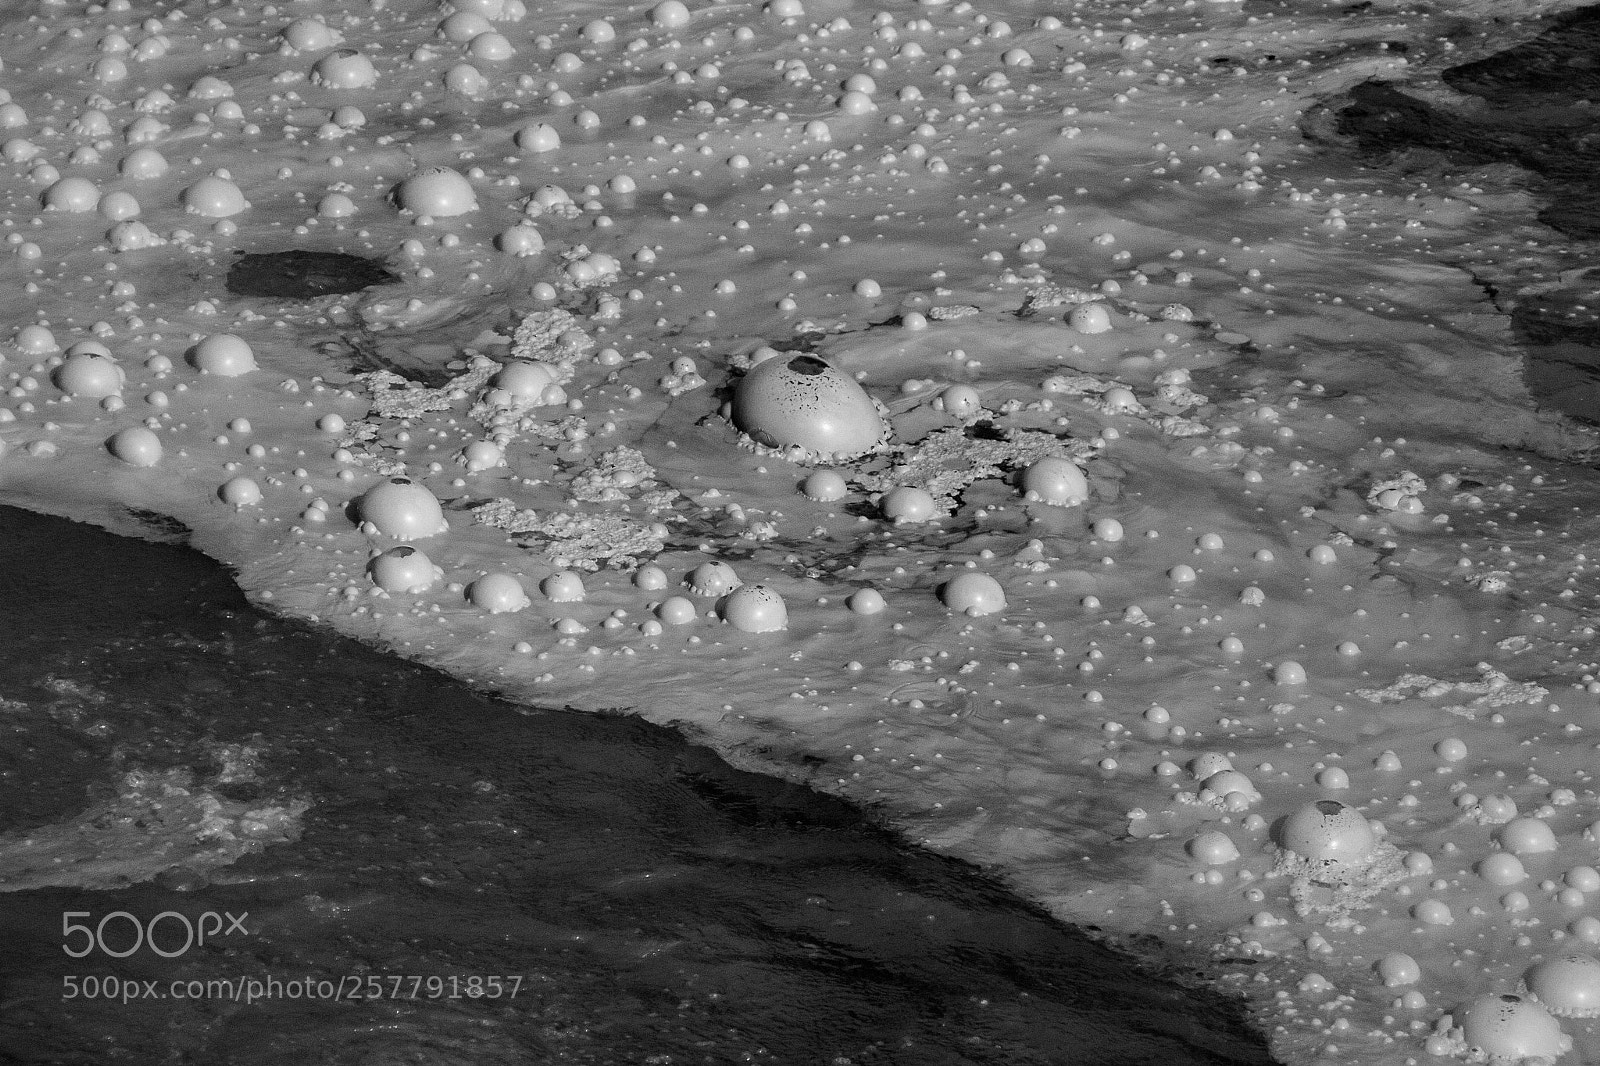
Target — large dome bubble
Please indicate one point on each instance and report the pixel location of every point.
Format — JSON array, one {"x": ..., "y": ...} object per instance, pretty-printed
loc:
[{"x": 801, "y": 401}]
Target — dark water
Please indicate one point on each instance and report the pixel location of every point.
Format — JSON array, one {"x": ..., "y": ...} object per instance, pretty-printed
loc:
[
  {"x": 652, "y": 904},
  {"x": 299, "y": 274},
  {"x": 1537, "y": 107}
]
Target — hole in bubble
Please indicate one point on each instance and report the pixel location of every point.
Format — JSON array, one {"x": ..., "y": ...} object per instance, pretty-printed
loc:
[
  {"x": 1329, "y": 807},
  {"x": 809, "y": 365}
]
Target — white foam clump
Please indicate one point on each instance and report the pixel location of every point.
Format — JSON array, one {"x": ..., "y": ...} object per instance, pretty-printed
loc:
[
  {"x": 801, "y": 402},
  {"x": 156, "y": 821},
  {"x": 401, "y": 508}
]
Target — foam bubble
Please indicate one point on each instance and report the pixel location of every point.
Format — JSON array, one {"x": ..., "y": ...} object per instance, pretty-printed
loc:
[
  {"x": 88, "y": 373},
  {"x": 136, "y": 446},
  {"x": 677, "y": 610},
  {"x": 344, "y": 69},
  {"x": 564, "y": 586},
  {"x": 1057, "y": 481},
  {"x": 1527, "y": 836},
  {"x": 825, "y": 486},
  {"x": 973, "y": 594},
  {"x": 1327, "y": 830},
  {"x": 222, "y": 354},
  {"x": 438, "y": 192},
  {"x": 1567, "y": 986},
  {"x": 239, "y": 492},
  {"x": 1213, "y": 848},
  {"x": 497, "y": 593},
  {"x": 865, "y": 601},
  {"x": 214, "y": 196},
  {"x": 401, "y": 508},
  {"x": 403, "y": 568},
  {"x": 1507, "y": 1029},
  {"x": 908, "y": 505},
  {"x": 754, "y": 609},
  {"x": 712, "y": 579},
  {"x": 802, "y": 401}
]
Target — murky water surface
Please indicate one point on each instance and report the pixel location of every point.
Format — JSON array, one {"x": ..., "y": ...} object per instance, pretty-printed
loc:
[{"x": 612, "y": 893}]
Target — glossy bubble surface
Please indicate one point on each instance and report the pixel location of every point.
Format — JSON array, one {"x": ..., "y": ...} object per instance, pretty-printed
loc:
[
  {"x": 1327, "y": 830},
  {"x": 754, "y": 609},
  {"x": 223, "y": 354},
  {"x": 1527, "y": 836},
  {"x": 89, "y": 374},
  {"x": 402, "y": 508},
  {"x": 1567, "y": 986},
  {"x": 712, "y": 579},
  {"x": 973, "y": 594},
  {"x": 1056, "y": 481},
  {"x": 214, "y": 197},
  {"x": 439, "y": 192},
  {"x": 403, "y": 568},
  {"x": 803, "y": 402},
  {"x": 497, "y": 593},
  {"x": 344, "y": 69},
  {"x": 136, "y": 446},
  {"x": 1507, "y": 1029},
  {"x": 565, "y": 586}
]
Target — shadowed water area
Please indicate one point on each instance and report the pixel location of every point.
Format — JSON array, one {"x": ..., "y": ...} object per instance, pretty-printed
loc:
[
  {"x": 1536, "y": 106},
  {"x": 303, "y": 275},
  {"x": 649, "y": 902}
]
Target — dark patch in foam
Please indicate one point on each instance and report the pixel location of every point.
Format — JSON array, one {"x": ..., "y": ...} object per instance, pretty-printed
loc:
[
  {"x": 162, "y": 528},
  {"x": 1540, "y": 114},
  {"x": 301, "y": 275},
  {"x": 364, "y": 352}
]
